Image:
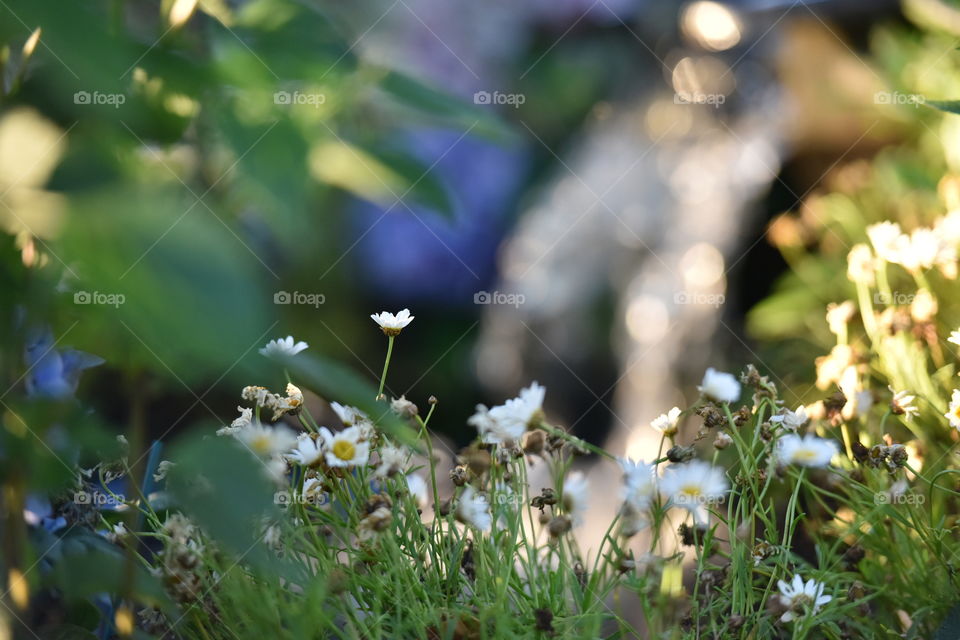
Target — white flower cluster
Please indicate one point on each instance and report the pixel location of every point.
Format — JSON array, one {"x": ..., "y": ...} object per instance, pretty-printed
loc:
[
  {"x": 280, "y": 405},
  {"x": 505, "y": 424},
  {"x": 922, "y": 249}
]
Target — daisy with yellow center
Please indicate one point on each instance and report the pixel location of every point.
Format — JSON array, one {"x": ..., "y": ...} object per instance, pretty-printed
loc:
[
  {"x": 266, "y": 441},
  {"x": 953, "y": 414},
  {"x": 345, "y": 448},
  {"x": 806, "y": 451},
  {"x": 694, "y": 486}
]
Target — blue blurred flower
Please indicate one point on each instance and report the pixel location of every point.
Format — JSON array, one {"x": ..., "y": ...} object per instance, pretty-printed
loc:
[{"x": 53, "y": 373}]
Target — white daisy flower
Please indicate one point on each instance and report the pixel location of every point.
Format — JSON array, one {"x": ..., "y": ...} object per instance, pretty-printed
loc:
[
  {"x": 694, "y": 485},
  {"x": 487, "y": 428},
  {"x": 720, "y": 386},
  {"x": 308, "y": 452},
  {"x": 344, "y": 448},
  {"x": 349, "y": 415},
  {"x": 266, "y": 441},
  {"x": 800, "y": 597},
  {"x": 791, "y": 420},
  {"x": 666, "y": 423},
  {"x": 954, "y": 337},
  {"x": 953, "y": 413},
  {"x": 473, "y": 510},
  {"x": 417, "y": 487},
  {"x": 284, "y": 347},
  {"x": 390, "y": 324},
  {"x": 806, "y": 451},
  {"x": 518, "y": 414},
  {"x": 887, "y": 240},
  {"x": 860, "y": 265},
  {"x": 838, "y": 315},
  {"x": 639, "y": 488},
  {"x": 576, "y": 493}
]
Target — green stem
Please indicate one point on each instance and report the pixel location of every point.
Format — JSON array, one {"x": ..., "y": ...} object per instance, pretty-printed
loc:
[{"x": 386, "y": 364}]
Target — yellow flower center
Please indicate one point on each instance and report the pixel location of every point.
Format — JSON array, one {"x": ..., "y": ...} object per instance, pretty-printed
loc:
[
  {"x": 956, "y": 411},
  {"x": 691, "y": 490},
  {"x": 804, "y": 455},
  {"x": 261, "y": 444},
  {"x": 344, "y": 449}
]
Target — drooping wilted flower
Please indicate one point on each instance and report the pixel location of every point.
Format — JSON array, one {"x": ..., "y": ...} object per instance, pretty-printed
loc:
[
  {"x": 801, "y": 597},
  {"x": 666, "y": 423},
  {"x": 403, "y": 407},
  {"x": 473, "y": 510},
  {"x": 720, "y": 386},
  {"x": 284, "y": 347},
  {"x": 353, "y": 417},
  {"x": 344, "y": 448},
  {"x": 902, "y": 404},
  {"x": 392, "y": 461},
  {"x": 806, "y": 451},
  {"x": 694, "y": 485},
  {"x": 391, "y": 324},
  {"x": 791, "y": 420}
]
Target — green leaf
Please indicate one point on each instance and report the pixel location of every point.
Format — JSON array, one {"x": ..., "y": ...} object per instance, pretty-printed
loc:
[
  {"x": 90, "y": 566},
  {"x": 224, "y": 489},
  {"x": 164, "y": 283},
  {"x": 948, "y": 106},
  {"x": 442, "y": 107}
]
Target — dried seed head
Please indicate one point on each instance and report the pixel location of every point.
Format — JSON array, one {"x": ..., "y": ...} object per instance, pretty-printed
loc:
[
  {"x": 559, "y": 525},
  {"x": 680, "y": 454},
  {"x": 534, "y": 441},
  {"x": 459, "y": 475}
]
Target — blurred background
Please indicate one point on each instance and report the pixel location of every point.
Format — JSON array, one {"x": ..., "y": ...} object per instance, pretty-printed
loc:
[{"x": 577, "y": 192}]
